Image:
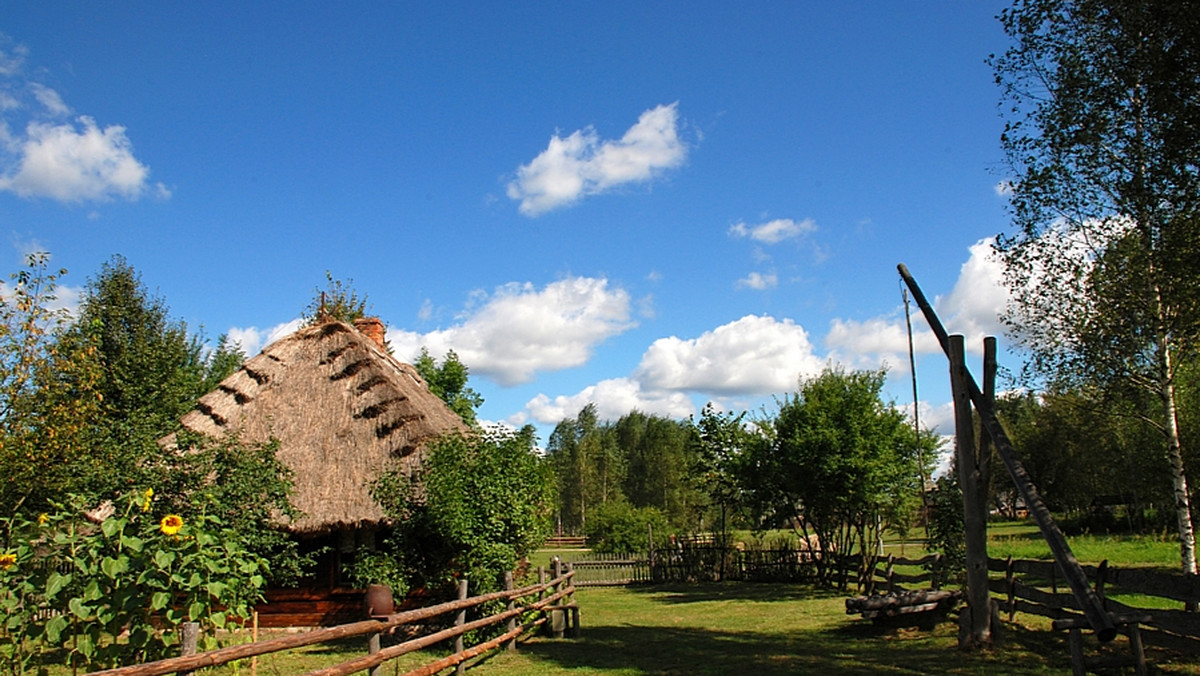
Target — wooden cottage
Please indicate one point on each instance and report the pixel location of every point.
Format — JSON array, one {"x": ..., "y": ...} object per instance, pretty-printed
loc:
[{"x": 343, "y": 411}]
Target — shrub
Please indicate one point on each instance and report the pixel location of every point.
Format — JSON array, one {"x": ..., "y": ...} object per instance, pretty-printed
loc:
[{"x": 618, "y": 527}]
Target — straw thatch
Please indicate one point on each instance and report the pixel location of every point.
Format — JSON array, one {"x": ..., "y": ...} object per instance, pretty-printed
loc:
[{"x": 342, "y": 409}]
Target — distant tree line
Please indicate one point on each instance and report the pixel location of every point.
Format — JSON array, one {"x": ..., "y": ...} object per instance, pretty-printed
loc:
[{"x": 835, "y": 463}]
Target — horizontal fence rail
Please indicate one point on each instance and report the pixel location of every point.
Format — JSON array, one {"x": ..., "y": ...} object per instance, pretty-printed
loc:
[
  {"x": 551, "y": 596},
  {"x": 1037, "y": 588}
]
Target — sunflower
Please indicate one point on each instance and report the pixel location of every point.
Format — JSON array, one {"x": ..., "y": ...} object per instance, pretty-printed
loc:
[
  {"x": 7, "y": 560},
  {"x": 171, "y": 524},
  {"x": 146, "y": 499}
]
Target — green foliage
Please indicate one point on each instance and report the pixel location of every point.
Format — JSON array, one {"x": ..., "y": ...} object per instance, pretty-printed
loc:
[
  {"x": 617, "y": 527},
  {"x": 723, "y": 441},
  {"x": 476, "y": 507},
  {"x": 149, "y": 372},
  {"x": 338, "y": 300},
  {"x": 244, "y": 485},
  {"x": 48, "y": 395},
  {"x": 87, "y": 402},
  {"x": 69, "y": 587},
  {"x": 1064, "y": 430},
  {"x": 1102, "y": 138},
  {"x": 839, "y": 463},
  {"x": 946, "y": 530},
  {"x": 448, "y": 381},
  {"x": 646, "y": 460}
]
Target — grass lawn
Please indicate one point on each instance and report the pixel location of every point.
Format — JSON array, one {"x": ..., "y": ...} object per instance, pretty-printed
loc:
[{"x": 733, "y": 628}]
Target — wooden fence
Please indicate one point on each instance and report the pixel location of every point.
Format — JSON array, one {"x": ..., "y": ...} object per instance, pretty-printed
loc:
[
  {"x": 553, "y": 601},
  {"x": 1038, "y": 588},
  {"x": 709, "y": 563}
]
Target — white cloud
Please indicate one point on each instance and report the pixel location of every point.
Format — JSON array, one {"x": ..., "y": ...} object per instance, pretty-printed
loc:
[
  {"x": 253, "y": 339},
  {"x": 519, "y": 330},
  {"x": 972, "y": 308},
  {"x": 49, "y": 99},
  {"x": 66, "y": 161},
  {"x": 773, "y": 232},
  {"x": 758, "y": 281},
  {"x": 753, "y": 355},
  {"x": 582, "y": 164},
  {"x": 613, "y": 399},
  {"x": 974, "y": 305}
]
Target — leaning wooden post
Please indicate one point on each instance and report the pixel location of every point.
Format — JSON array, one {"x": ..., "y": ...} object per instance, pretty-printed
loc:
[
  {"x": 459, "y": 621},
  {"x": 977, "y": 632},
  {"x": 512, "y": 604}
]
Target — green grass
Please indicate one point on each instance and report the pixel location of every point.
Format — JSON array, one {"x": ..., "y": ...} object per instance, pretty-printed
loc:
[
  {"x": 1022, "y": 540},
  {"x": 766, "y": 630}
]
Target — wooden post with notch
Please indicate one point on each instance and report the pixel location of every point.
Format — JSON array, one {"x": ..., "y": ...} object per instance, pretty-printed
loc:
[{"x": 974, "y": 629}]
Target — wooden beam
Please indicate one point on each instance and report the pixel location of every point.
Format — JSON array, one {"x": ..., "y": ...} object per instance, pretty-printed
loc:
[{"x": 1092, "y": 607}]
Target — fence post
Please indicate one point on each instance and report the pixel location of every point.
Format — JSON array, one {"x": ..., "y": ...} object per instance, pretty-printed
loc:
[
  {"x": 557, "y": 617},
  {"x": 512, "y": 603},
  {"x": 373, "y": 646},
  {"x": 1010, "y": 581},
  {"x": 573, "y": 622},
  {"x": 459, "y": 621},
  {"x": 975, "y": 629},
  {"x": 891, "y": 584},
  {"x": 189, "y": 637}
]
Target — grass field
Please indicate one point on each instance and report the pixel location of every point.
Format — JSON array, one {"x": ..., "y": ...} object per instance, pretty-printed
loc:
[
  {"x": 770, "y": 629},
  {"x": 765, "y": 629}
]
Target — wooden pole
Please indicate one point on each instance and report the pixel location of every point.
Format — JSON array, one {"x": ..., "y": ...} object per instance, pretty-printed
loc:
[
  {"x": 512, "y": 603},
  {"x": 974, "y": 518},
  {"x": 254, "y": 639},
  {"x": 189, "y": 638},
  {"x": 459, "y": 621},
  {"x": 1097, "y": 617}
]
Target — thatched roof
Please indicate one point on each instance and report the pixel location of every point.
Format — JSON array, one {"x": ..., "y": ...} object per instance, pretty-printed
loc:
[{"x": 342, "y": 409}]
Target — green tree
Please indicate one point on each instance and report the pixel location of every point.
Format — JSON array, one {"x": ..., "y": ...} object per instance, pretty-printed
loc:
[
  {"x": 722, "y": 440},
  {"x": 571, "y": 450},
  {"x": 617, "y": 527},
  {"x": 660, "y": 456},
  {"x": 448, "y": 381},
  {"x": 1103, "y": 136},
  {"x": 151, "y": 372},
  {"x": 476, "y": 507},
  {"x": 839, "y": 463},
  {"x": 47, "y": 395}
]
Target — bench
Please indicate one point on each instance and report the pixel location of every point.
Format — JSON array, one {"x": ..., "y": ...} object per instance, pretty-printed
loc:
[{"x": 918, "y": 605}]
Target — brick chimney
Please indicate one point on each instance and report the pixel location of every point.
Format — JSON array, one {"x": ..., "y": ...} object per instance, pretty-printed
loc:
[{"x": 372, "y": 328}]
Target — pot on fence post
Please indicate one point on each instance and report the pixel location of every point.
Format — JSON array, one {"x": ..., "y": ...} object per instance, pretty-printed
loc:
[{"x": 379, "y": 601}]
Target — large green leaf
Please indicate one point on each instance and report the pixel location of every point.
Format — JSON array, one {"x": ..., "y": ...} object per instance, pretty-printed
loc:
[
  {"x": 55, "y": 583},
  {"x": 81, "y": 610}
]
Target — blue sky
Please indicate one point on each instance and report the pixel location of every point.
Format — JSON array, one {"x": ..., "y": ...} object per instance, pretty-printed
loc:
[{"x": 641, "y": 205}]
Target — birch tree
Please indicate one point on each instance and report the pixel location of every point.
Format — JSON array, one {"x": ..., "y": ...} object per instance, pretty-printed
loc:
[{"x": 1102, "y": 137}]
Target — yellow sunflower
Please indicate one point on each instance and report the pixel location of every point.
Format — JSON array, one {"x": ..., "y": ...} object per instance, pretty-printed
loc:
[
  {"x": 146, "y": 499},
  {"x": 171, "y": 524},
  {"x": 7, "y": 560}
]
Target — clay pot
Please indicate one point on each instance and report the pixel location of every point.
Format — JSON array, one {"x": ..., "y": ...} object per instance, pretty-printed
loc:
[{"x": 379, "y": 600}]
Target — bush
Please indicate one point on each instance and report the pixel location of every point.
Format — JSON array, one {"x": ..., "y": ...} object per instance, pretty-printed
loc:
[{"x": 617, "y": 527}]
